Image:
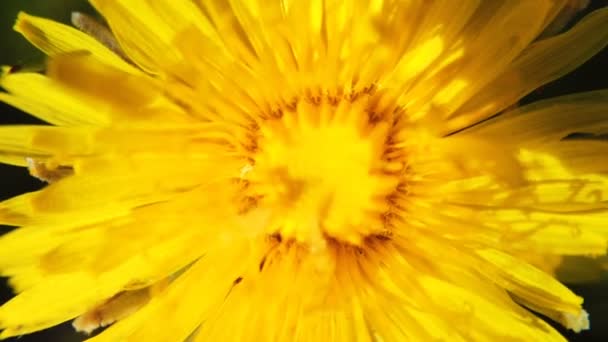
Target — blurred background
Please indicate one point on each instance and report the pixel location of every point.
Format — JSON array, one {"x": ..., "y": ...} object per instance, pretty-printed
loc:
[{"x": 14, "y": 50}]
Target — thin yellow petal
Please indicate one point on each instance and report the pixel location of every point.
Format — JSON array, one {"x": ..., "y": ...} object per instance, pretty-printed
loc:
[
  {"x": 50, "y": 101},
  {"x": 531, "y": 70},
  {"x": 129, "y": 97},
  {"x": 130, "y": 21},
  {"x": 548, "y": 121},
  {"x": 530, "y": 283},
  {"x": 488, "y": 316},
  {"x": 186, "y": 315},
  {"x": 71, "y": 294},
  {"x": 483, "y": 49},
  {"x": 54, "y": 39}
]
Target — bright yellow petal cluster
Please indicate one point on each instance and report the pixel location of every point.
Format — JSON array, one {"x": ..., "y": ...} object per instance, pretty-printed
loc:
[{"x": 304, "y": 170}]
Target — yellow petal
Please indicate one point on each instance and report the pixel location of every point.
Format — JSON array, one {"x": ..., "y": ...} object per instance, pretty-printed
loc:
[
  {"x": 431, "y": 43},
  {"x": 532, "y": 69},
  {"x": 485, "y": 49},
  {"x": 151, "y": 50},
  {"x": 42, "y": 97},
  {"x": 486, "y": 316},
  {"x": 128, "y": 97},
  {"x": 549, "y": 120},
  {"x": 71, "y": 294},
  {"x": 217, "y": 271},
  {"x": 55, "y": 39},
  {"x": 118, "y": 307},
  {"x": 529, "y": 283}
]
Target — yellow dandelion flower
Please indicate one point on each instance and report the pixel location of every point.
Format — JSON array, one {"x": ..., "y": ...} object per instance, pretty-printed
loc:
[{"x": 304, "y": 170}]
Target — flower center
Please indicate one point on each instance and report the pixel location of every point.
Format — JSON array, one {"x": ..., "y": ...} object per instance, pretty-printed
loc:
[{"x": 321, "y": 172}]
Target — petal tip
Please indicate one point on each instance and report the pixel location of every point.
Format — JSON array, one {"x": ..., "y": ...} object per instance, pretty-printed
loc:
[
  {"x": 21, "y": 22},
  {"x": 577, "y": 322}
]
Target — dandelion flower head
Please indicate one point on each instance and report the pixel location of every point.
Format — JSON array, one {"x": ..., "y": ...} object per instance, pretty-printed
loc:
[{"x": 304, "y": 170}]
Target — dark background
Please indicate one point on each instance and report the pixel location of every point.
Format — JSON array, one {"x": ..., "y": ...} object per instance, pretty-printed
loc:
[{"x": 14, "y": 50}]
